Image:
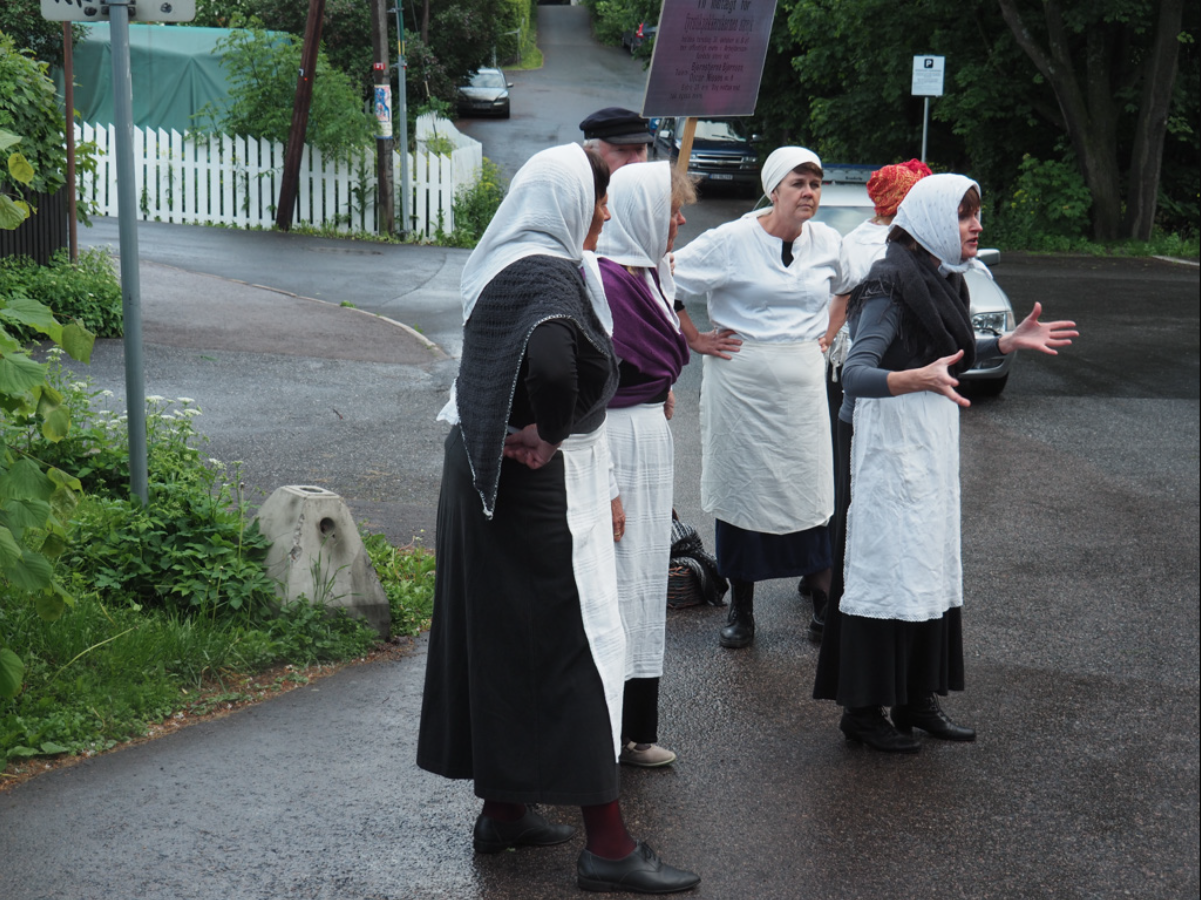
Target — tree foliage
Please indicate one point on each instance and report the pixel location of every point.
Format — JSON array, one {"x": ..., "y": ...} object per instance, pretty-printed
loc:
[
  {"x": 838, "y": 73},
  {"x": 35, "y": 500},
  {"x": 838, "y": 78},
  {"x": 262, "y": 69},
  {"x": 23, "y": 22},
  {"x": 28, "y": 107}
]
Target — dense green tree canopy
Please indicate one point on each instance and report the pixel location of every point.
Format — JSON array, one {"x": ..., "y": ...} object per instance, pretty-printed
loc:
[{"x": 1089, "y": 81}]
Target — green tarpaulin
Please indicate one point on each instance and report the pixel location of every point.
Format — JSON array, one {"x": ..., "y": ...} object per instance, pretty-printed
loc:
[{"x": 173, "y": 69}]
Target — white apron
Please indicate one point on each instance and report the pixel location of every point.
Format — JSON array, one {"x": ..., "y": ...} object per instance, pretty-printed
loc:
[
  {"x": 589, "y": 517},
  {"x": 641, "y": 444},
  {"x": 767, "y": 464},
  {"x": 903, "y": 536}
]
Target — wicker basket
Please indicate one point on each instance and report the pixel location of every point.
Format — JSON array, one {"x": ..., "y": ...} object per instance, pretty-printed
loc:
[{"x": 683, "y": 588}]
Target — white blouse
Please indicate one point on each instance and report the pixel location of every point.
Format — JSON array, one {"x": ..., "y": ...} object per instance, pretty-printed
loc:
[
  {"x": 738, "y": 268},
  {"x": 860, "y": 248}
]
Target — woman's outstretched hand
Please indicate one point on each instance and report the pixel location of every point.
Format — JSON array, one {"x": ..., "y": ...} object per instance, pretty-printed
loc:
[
  {"x": 935, "y": 377},
  {"x": 528, "y": 448},
  {"x": 1031, "y": 334}
]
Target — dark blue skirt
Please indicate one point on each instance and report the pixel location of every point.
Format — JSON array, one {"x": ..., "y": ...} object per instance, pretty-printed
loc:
[{"x": 754, "y": 556}]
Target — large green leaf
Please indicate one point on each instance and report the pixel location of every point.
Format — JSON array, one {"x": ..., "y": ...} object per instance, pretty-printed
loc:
[
  {"x": 32, "y": 573},
  {"x": 10, "y": 550},
  {"x": 20, "y": 169},
  {"x": 35, "y": 315},
  {"x": 26, "y": 481},
  {"x": 19, "y": 374},
  {"x": 63, "y": 480},
  {"x": 12, "y": 670},
  {"x": 49, "y": 605},
  {"x": 56, "y": 425},
  {"x": 22, "y": 514},
  {"x": 12, "y": 214},
  {"x": 78, "y": 341},
  {"x": 8, "y": 139}
]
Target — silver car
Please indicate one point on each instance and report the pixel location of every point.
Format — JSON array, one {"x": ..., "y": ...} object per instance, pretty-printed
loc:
[
  {"x": 845, "y": 206},
  {"x": 487, "y": 93}
]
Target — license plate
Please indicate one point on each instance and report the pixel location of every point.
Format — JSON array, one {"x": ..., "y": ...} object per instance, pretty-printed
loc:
[{"x": 722, "y": 177}]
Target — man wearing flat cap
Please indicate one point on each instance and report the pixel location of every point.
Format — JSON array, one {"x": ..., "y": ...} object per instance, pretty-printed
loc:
[{"x": 620, "y": 135}]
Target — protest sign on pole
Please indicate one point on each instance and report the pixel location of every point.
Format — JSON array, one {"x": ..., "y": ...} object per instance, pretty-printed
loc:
[{"x": 708, "y": 58}]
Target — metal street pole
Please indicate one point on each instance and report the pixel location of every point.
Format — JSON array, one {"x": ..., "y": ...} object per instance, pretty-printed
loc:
[
  {"x": 69, "y": 99},
  {"x": 925, "y": 125},
  {"x": 131, "y": 285}
]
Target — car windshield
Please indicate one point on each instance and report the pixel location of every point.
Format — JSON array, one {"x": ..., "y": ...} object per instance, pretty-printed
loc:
[
  {"x": 719, "y": 130},
  {"x": 487, "y": 80},
  {"x": 843, "y": 219}
]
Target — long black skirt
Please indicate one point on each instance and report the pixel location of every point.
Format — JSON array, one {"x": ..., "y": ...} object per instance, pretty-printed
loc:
[
  {"x": 880, "y": 662},
  {"x": 755, "y": 556},
  {"x": 513, "y": 698}
]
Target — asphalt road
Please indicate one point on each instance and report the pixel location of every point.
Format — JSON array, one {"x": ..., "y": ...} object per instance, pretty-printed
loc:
[{"x": 1081, "y": 546}]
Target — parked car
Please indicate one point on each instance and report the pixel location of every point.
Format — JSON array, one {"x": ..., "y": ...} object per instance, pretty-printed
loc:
[
  {"x": 636, "y": 37},
  {"x": 486, "y": 93},
  {"x": 845, "y": 206},
  {"x": 722, "y": 152}
]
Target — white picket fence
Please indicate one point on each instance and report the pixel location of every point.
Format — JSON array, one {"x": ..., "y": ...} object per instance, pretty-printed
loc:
[{"x": 235, "y": 181}]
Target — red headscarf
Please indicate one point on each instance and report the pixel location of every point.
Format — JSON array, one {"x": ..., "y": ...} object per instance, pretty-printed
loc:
[{"x": 888, "y": 186}]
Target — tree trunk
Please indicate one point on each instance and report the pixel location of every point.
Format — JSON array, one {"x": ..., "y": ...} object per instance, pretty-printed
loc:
[
  {"x": 1091, "y": 118},
  {"x": 425, "y": 22},
  {"x": 1146, "y": 162}
]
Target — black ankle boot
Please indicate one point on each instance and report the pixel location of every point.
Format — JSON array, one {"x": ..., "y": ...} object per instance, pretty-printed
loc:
[
  {"x": 927, "y": 715},
  {"x": 817, "y": 625},
  {"x": 740, "y": 626},
  {"x": 868, "y": 725}
]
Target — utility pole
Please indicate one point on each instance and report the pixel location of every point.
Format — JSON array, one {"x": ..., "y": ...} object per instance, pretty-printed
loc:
[
  {"x": 383, "y": 118},
  {"x": 69, "y": 91},
  {"x": 300, "y": 115},
  {"x": 402, "y": 117}
]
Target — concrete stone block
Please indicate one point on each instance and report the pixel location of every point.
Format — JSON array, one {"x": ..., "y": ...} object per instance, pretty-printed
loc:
[{"x": 316, "y": 552}]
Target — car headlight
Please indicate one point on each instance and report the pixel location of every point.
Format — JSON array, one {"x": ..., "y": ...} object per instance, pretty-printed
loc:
[
  {"x": 750, "y": 162},
  {"x": 992, "y": 323}
]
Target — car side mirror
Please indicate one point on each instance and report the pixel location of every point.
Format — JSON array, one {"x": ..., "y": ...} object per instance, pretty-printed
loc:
[
  {"x": 508, "y": 84},
  {"x": 990, "y": 257}
]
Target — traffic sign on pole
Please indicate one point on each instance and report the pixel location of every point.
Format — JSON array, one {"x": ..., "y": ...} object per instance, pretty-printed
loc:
[
  {"x": 96, "y": 10},
  {"x": 927, "y": 75}
]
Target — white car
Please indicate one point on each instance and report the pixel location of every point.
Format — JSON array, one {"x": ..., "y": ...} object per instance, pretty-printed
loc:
[{"x": 845, "y": 207}]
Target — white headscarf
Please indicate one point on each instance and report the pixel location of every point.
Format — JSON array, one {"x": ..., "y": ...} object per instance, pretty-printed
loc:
[
  {"x": 930, "y": 212},
  {"x": 640, "y": 220},
  {"x": 547, "y": 212},
  {"x": 781, "y": 161}
]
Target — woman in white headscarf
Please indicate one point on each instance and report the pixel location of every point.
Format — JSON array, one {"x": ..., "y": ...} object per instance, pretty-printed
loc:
[
  {"x": 767, "y": 461},
  {"x": 895, "y": 638},
  {"x": 645, "y": 203},
  {"x": 526, "y": 659}
]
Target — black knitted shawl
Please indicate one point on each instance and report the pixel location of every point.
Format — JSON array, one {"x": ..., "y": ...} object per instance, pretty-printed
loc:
[
  {"x": 531, "y": 291},
  {"x": 935, "y": 310}
]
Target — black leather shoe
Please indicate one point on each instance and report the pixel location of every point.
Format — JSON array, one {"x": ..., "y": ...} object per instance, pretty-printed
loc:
[
  {"x": 804, "y": 588},
  {"x": 867, "y": 725},
  {"x": 740, "y": 624},
  {"x": 927, "y": 715},
  {"x": 817, "y": 625},
  {"x": 642, "y": 872},
  {"x": 531, "y": 830}
]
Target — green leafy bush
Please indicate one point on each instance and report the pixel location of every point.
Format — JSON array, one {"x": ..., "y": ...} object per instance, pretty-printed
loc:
[
  {"x": 474, "y": 208},
  {"x": 29, "y": 108},
  {"x": 407, "y": 575},
  {"x": 262, "y": 70},
  {"x": 87, "y": 292},
  {"x": 1047, "y": 210}
]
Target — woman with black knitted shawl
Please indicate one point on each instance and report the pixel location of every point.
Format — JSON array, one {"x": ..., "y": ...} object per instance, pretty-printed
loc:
[
  {"x": 895, "y": 638},
  {"x": 525, "y": 670}
]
